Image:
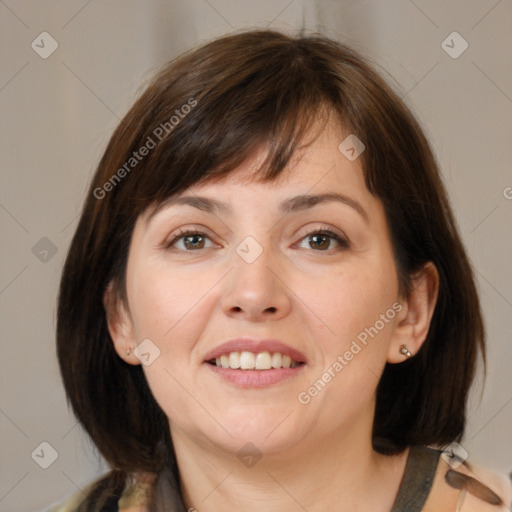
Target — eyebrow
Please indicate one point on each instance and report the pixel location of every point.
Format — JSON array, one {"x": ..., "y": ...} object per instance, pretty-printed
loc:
[
  {"x": 293, "y": 204},
  {"x": 305, "y": 201}
]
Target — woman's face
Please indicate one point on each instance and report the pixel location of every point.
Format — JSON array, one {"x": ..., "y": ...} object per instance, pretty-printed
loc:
[{"x": 309, "y": 279}]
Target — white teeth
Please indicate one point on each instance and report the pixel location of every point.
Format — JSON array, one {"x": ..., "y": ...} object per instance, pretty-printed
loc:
[
  {"x": 249, "y": 361},
  {"x": 277, "y": 360},
  {"x": 263, "y": 361},
  {"x": 234, "y": 360}
]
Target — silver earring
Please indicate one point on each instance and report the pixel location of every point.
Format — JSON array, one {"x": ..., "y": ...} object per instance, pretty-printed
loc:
[
  {"x": 128, "y": 351},
  {"x": 405, "y": 351}
]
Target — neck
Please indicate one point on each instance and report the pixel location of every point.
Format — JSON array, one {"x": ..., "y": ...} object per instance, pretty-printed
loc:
[{"x": 339, "y": 471}]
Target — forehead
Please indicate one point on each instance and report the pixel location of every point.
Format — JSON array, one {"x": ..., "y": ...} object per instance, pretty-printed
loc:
[
  {"x": 317, "y": 172},
  {"x": 317, "y": 166}
]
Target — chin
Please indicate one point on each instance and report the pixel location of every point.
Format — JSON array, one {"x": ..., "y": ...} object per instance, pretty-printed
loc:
[{"x": 266, "y": 434}]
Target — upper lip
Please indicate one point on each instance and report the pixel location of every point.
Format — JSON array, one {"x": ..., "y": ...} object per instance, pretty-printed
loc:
[{"x": 255, "y": 346}]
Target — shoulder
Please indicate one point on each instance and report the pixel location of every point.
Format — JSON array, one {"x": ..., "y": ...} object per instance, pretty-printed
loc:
[
  {"x": 101, "y": 495},
  {"x": 468, "y": 487}
]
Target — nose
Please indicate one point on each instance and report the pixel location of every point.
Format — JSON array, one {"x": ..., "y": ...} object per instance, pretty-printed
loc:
[{"x": 256, "y": 291}]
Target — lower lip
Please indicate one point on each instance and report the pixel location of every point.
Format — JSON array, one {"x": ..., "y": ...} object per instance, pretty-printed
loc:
[{"x": 255, "y": 378}]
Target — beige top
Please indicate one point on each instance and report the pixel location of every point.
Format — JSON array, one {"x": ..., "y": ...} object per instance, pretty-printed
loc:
[{"x": 466, "y": 488}]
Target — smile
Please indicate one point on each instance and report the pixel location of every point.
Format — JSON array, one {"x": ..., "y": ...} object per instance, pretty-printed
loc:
[{"x": 244, "y": 360}]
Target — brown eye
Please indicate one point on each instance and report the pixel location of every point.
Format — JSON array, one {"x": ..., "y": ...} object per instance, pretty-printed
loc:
[
  {"x": 322, "y": 240},
  {"x": 192, "y": 241}
]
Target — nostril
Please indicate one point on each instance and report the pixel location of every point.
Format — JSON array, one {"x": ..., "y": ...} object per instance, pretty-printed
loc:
[{"x": 271, "y": 309}]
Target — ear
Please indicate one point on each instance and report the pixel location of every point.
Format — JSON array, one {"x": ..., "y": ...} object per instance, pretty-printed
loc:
[
  {"x": 120, "y": 326},
  {"x": 413, "y": 320}
]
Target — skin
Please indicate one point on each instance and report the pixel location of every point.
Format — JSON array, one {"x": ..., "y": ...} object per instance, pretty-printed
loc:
[{"x": 187, "y": 301}]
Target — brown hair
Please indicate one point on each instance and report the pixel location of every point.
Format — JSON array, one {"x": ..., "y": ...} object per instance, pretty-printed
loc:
[{"x": 241, "y": 91}]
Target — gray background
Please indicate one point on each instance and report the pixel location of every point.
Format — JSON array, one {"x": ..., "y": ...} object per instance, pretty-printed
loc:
[{"x": 58, "y": 113}]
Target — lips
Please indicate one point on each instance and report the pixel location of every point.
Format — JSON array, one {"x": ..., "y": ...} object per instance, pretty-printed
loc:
[
  {"x": 247, "y": 363},
  {"x": 249, "y": 354}
]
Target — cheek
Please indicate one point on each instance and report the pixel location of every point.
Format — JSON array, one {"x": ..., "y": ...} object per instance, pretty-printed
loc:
[
  {"x": 353, "y": 300},
  {"x": 358, "y": 309},
  {"x": 368, "y": 312},
  {"x": 166, "y": 309},
  {"x": 164, "y": 301}
]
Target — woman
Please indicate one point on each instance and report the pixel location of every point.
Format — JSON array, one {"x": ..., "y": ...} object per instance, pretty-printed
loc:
[{"x": 266, "y": 303}]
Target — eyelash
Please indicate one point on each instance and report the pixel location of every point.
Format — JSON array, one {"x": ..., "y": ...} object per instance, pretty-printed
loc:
[{"x": 344, "y": 244}]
